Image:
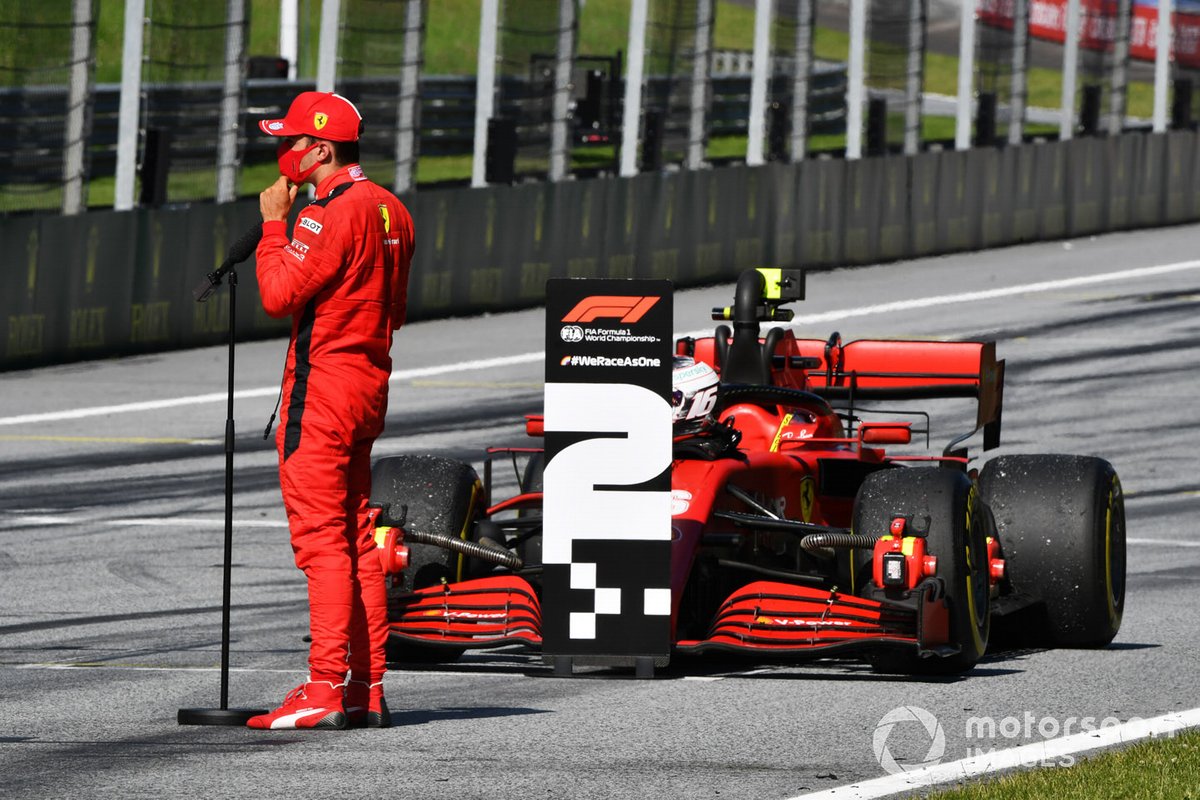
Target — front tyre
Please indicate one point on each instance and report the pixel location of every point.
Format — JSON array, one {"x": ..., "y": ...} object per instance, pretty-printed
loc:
[
  {"x": 1061, "y": 523},
  {"x": 442, "y": 497},
  {"x": 957, "y": 535}
]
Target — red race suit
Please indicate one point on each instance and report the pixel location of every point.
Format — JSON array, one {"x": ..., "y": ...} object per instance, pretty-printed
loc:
[{"x": 343, "y": 278}]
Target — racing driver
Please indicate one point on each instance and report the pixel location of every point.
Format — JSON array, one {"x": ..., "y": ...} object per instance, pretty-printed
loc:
[{"x": 342, "y": 276}]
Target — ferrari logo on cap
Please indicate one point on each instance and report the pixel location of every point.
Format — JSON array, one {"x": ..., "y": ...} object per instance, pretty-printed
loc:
[
  {"x": 387, "y": 218},
  {"x": 319, "y": 120}
]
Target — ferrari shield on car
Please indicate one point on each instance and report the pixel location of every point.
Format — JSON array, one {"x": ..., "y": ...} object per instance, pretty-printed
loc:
[{"x": 812, "y": 513}]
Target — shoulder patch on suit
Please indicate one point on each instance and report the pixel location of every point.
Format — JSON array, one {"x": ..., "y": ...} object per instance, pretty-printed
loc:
[{"x": 311, "y": 224}]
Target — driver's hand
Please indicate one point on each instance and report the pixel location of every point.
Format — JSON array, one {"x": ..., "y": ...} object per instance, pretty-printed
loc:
[{"x": 276, "y": 200}]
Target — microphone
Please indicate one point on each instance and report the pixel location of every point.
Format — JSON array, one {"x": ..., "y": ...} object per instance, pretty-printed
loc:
[{"x": 239, "y": 251}]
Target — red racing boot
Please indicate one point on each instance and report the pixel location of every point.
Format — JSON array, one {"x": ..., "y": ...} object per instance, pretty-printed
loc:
[
  {"x": 365, "y": 705},
  {"x": 315, "y": 704}
]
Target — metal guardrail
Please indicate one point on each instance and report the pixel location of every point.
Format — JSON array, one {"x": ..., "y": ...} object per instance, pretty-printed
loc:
[{"x": 30, "y": 150}]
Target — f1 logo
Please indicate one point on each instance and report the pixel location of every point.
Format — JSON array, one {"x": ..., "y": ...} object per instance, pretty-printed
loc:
[{"x": 628, "y": 309}]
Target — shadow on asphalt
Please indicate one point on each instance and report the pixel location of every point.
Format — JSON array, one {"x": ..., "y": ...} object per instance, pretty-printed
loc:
[
  {"x": 530, "y": 665},
  {"x": 1133, "y": 646},
  {"x": 423, "y": 716},
  {"x": 105, "y": 619}
]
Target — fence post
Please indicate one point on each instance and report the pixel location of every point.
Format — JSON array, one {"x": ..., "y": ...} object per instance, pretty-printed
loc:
[
  {"x": 560, "y": 146},
  {"x": 916, "y": 74},
  {"x": 702, "y": 56},
  {"x": 1020, "y": 74},
  {"x": 327, "y": 52},
  {"x": 966, "y": 71},
  {"x": 79, "y": 107},
  {"x": 1120, "y": 70},
  {"x": 1162, "y": 65},
  {"x": 485, "y": 88},
  {"x": 231, "y": 95},
  {"x": 856, "y": 71},
  {"x": 408, "y": 103},
  {"x": 1066, "y": 122},
  {"x": 802, "y": 78},
  {"x": 127, "y": 115},
  {"x": 758, "y": 83},
  {"x": 289, "y": 35},
  {"x": 632, "y": 109}
]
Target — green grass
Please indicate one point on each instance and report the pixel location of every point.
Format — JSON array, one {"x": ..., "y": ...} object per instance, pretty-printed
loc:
[
  {"x": 1044, "y": 89},
  {"x": 604, "y": 27},
  {"x": 263, "y": 34},
  {"x": 451, "y": 34},
  {"x": 452, "y": 38},
  {"x": 1151, "y": 770}
]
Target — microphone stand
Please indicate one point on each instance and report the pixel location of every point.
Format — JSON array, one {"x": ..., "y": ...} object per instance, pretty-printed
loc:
[{"x": 238, "y": 252}]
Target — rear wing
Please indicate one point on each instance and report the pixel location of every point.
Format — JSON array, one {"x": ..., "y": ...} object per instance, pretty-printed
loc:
[{"x": 872, "y": 369}]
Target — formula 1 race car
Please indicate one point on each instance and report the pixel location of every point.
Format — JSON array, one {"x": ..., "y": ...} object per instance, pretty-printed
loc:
[{"x": 795, "y": 533}]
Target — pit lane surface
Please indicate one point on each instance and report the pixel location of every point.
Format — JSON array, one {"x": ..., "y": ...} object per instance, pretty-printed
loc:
[{"x": 111, "y": 542}]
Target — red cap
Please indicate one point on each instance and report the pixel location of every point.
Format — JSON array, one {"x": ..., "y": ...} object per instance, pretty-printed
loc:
[{"x": 323, "y": 115}]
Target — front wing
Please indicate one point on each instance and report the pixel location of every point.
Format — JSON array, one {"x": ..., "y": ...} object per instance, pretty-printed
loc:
[
  {"x": 485, "y": 612},
  {"x": 764, "y": 618}
]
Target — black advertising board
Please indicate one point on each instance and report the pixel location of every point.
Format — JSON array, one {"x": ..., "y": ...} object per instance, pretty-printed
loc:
[{"x": 607, "y": 480}]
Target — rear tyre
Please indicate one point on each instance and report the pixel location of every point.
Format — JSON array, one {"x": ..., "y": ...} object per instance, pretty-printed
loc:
[
  {"x": 957, "y": 536},
  {"x": 1061, "y": 523},
  {"x": 443, "y": 497}
]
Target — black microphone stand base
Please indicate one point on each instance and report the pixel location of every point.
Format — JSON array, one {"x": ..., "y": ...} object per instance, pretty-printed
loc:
[{"x": 218, "y": 716}]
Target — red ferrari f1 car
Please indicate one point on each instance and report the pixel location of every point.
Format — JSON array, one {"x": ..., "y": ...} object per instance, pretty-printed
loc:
[{"x": 796, "y": 534}]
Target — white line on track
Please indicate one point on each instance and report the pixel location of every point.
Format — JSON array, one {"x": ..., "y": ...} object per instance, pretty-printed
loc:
[
  {"x": 528, "y": 358},
  {"x": 724, "y": 675},
  {"x": 1044, "y": 752},
  {"x": 266, "y": 391},
  {"x": 137, "y": 668},
  {"x": 1006, "y": 291},
  {"x": 110, "y": 440},
  {"x": 50, "y": 520},
  {"x": 86, "y": 665},
  {"x": 1164, "y": 542}
]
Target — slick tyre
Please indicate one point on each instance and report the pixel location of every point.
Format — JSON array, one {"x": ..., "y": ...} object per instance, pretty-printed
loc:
[
  {"x": 442, "y": 496},
  {"x": 1061, "y": 524},
  {"x": 957, "y": 535},
  {"x": 530, "y": 550}
]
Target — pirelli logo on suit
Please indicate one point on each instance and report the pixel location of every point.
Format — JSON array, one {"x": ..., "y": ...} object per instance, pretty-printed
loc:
[{"x": 296, "y": 249}]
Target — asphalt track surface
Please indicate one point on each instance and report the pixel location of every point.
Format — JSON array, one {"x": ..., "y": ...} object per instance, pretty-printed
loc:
[{"x": 111, "y": 541}]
